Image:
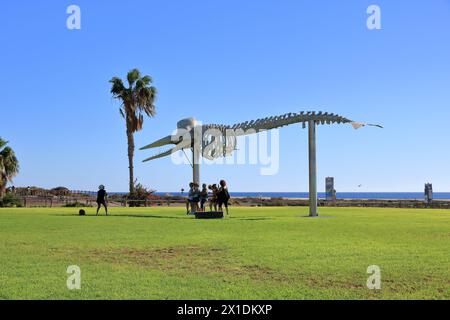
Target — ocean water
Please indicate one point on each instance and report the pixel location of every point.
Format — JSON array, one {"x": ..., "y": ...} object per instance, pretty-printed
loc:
[{"x": 339, "y": 195}]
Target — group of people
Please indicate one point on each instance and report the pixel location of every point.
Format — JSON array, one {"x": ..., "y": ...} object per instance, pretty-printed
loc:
[{"x": 217, "y": 196}]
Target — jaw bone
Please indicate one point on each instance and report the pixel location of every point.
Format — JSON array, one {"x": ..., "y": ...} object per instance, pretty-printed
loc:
[
  {"x": 179, "y": 142},
  {"x": 159, "y": 143},
  {"x": 182, "y": 139},
  {"x": 160, "y": 155}
]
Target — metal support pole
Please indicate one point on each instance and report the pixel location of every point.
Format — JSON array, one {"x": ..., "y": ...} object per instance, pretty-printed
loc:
[
  {"x": 197, "y": 140},
  {"x": 312, "y": 169},
  {"x": 196, "y": 165}
]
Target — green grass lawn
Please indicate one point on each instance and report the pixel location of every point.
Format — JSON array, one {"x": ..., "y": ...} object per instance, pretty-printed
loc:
[{"x": 258, "y": 253}]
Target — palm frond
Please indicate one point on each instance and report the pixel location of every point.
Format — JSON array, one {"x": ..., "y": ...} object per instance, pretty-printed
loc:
[
  {"x": 2, "y": 167},
  {"x": 146, "y": 97},
  {"x": 147, "y": 80},
  {"x": 3, "y": 143},
  {"x": 139, "y": 122},
  {"x": 117, "y": 88},
  {"x": 9, "y": 163},
  {"x": 133, "y": 76},
  {"x": 122, "y": 112}
]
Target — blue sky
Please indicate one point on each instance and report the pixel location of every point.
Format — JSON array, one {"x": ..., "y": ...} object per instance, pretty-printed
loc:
[{"x": 225, "y": 62}]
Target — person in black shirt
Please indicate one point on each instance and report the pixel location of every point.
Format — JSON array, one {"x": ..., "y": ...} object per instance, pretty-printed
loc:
[
  {"x": 203, "y": 197},
  {"x": 101, "y": 198},
  {"x": 223, "y": 196}
]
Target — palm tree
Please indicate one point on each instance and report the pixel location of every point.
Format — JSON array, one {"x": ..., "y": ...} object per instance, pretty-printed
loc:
[
  {"x": 137, "y": 100},
  {"x": 9, "y": 165}
]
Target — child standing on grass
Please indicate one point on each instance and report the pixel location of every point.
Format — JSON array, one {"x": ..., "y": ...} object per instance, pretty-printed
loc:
[
  {"x": 196, "y": 197},
  {"x": 101, "y": 198},
  {"x": 213, "y": 199},
  {"x": 203, "y": 197},
  {"x": 190, "y": 197}
]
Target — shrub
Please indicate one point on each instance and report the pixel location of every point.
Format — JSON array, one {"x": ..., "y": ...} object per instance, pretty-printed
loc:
[
  {"x": 60, "y": 191},
  {"x": 275, "y": 202},
  {"x": 10, "y": 200},
  {"x": 138, "y": 197}
]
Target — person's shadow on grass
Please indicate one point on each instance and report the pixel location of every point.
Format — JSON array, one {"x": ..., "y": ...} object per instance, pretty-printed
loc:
[
  {"x": 123, "y": 216},
  {"x": 155, "y": 216}
]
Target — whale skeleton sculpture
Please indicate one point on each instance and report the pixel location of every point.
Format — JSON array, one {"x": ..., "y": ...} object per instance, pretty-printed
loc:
[{"x": 197, "y": 137}]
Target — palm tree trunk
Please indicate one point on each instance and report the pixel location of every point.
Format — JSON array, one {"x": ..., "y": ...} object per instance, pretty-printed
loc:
[{"x": 130, "y": 138}]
